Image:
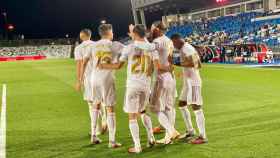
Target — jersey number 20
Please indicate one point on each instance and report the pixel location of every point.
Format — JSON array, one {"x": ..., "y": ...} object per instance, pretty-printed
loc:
[{"x": 141, "y": 64}]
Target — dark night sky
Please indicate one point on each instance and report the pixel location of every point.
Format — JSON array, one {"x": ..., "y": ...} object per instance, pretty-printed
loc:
[{"x": 55, "y": 18}]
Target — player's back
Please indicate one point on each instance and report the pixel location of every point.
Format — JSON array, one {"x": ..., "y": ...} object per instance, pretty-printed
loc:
[
  {"x": 82, "y": 51},
  {"x": 102, "y": 53},
  {"x": 140, "y": 56},
  {"x": 164, "y": 46}
]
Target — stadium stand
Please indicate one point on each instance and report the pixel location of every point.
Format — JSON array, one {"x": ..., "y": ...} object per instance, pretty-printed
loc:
[
  {"x": 35, "y": 52},
  {"x": 30, "y": 49},
  {"x": 249, "y": 33}
]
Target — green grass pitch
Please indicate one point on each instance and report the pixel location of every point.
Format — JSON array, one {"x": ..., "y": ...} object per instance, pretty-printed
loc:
[{"x": 47, "y": 118}]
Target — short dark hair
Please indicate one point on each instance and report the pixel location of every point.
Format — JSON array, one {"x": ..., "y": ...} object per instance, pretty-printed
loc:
[
  {"x": 140, "y": 30},
  {"x": 104, "y": 28},
  {"x": 176, "y": 36},
  {"x": 161, "y": 26},
  {"x": 86, "y": 32}
]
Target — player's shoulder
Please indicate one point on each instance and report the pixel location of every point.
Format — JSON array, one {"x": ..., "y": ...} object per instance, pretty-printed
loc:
[
  {"x": 104, "y": 41},
  {"x": 87, "y": 44},
  {"x": 79, "y": 46},
  {"x": 129, "y": 47},
  {"x": 189, "y": 48},
  {"x": 78, "y": 52},
  {"x": 147, "y": 46}
]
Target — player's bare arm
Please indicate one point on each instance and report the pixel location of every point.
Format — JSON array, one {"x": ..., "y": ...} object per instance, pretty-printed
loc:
[
  {"x": 79, "y": 64},
  {"x": 83, "y": 69}
]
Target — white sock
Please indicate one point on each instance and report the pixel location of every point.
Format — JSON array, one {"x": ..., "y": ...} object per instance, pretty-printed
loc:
[
  {"x": 90, "y": 108},
  {"x": 103, "y": 114},
  {"x": 134, "y": 130},
  {"x": 111, "y": 121},
  {"x": 163, "y": 120},
  {"x": 147, "y": 122},
  {"x": 170, "y": 114},
  {"x": 200, "y": 121},
  {"x": 187, "y": 118},
  {"x": 173, "y": 119},
  {"x": 95, "y": 114}
]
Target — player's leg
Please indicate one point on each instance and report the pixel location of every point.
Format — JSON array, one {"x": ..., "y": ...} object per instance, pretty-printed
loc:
[
  {"x": 90, "y": 107},
  {"x": 153, "y": 101},
  {"x": 111, "y": 121},
  {"x": 134, "y": 130},
  {"x": 171, "y": 114},
  {"x": 183, "y": 106},
  {"x": 199, "y": 115},
  {"x": 109, "y": 99},
  {"x": 165, "y": 120},
  {"x": 96, "y": 102},
  {"x": 88, "y": 97},
  {"x": 103, "y": 114},
  {"x": 146, "y": 119},
  {"x": 170, "y": 98},
  {"x": 95, "y": 115},
  {"x": 187, "y": 119},
  {"x": 200, "y": 121},
  {"x": 147, "y": 122},
  {"x": 132, "y": 108}
]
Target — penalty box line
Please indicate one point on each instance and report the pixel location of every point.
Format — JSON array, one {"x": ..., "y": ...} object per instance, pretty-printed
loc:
[{"x": 3, "y": 122}]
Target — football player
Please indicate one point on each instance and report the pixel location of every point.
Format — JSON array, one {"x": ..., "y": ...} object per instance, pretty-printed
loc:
[
  {"x": 80, "y": 53},
  {"x": 191, "y": 92},
  {"x": 103, "y": 82},
  {"x": 164, "y": 90},
  {"x": 139, "y": 55}
]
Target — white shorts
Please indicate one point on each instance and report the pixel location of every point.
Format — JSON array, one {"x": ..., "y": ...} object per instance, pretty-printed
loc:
[
  {"x": 87, "y": 89},
  {"x": 163, "y": 94},
  {"x": 136, "y": 100},
  {"x": 191, "y": 93},
  {"x": 104, "y": 93}
]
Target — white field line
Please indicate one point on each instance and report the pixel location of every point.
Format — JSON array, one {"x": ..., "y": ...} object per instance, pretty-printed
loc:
[{"x": 3, "y": 124}]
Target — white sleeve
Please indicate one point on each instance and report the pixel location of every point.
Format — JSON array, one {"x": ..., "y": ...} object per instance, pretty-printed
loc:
[
  {"x": 117, "y": 47},
  {"x": 124, "y": 54},
  {"x": 89, "y": 52},
  {"x": 188, "y": 50},
  {"x": 77, "y": 54}
]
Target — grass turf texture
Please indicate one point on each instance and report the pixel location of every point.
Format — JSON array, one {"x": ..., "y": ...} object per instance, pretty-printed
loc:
[{"x": 47, "y": 118}]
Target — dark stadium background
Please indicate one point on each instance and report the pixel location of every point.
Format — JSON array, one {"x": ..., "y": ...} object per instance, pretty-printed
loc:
[{"x": 56, "y": 18}]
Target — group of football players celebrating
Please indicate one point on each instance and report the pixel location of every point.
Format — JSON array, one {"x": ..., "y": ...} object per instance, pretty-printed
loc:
[{"x": 150, "y": 84}]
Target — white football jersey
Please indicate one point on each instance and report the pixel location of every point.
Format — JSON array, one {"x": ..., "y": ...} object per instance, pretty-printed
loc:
[
  {"x": 164, "y": 46},
  {"x": 82, "y": 51},
  {"x": 140, "y": 56},
  {"x": 105, "y": 51},
  {"x": 191, "y": 73}
]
